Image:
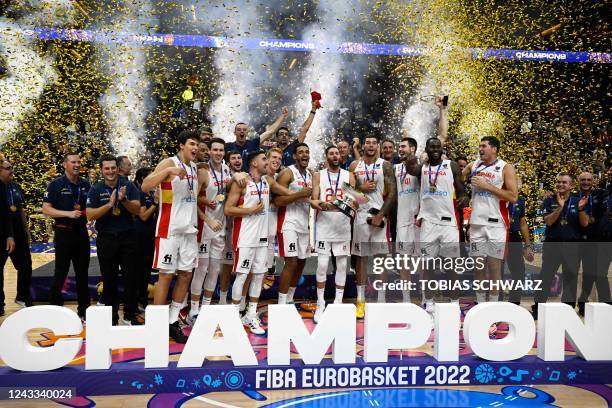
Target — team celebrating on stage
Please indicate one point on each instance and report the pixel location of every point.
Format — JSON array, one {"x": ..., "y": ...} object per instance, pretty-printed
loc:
[{"x": 217, "y": 211}]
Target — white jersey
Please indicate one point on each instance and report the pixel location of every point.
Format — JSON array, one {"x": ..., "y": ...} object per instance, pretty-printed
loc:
[
  {"x": 273, "y": 216},
  {"x": 438, "y": 205},
  {"x": 332, "y": 225},
  {"x": 295, "y": 216},
  {"x": 408, "y": 197},
  {"x": 252, "y": 230},
  {"x": 364, "y": 172},
  {"x": 487, "y": 208},
  {"x": 217, "y": 183},
  {"x": 178, "y": 200}
]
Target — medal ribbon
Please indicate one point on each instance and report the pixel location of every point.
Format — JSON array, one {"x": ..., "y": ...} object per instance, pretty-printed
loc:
[
  {"x": 220, "y": 185},
  {"x": 403, "y": 174},
  {"x": 189, "y": 183},
  {"x": 260, "y": 188},
  {"x": 435, "y": 181},
  {"x": 335, "y": 190},
  {"x": 566, "y": 211}
]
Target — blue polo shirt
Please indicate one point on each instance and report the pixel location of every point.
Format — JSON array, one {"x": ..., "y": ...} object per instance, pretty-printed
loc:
[
  {"x": 99, "y": 195},
  {"x": 249, "y": 146},
  {"x": 64, "y": 195},
  {"x": 347, "y": 163},
  {"x": 557, "y": 231},
  {"x": 605, "y": 223},
  {"x": 148, "y": 226},
  {"x": 515, "y": 213},
  {"x": 594, "y": 208}
]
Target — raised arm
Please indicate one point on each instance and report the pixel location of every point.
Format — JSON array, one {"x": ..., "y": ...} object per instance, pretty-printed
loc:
[
  {"x": 271, "y": 130},
  {"x": 161, "y": 173},
  {"x": 412, "y": 165},
  {"x": 443, "y": 122},
  {"x": 306, "y": 125}
]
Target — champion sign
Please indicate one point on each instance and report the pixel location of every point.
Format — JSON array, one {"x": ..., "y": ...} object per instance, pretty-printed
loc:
[{"x": 287, "y": 44}]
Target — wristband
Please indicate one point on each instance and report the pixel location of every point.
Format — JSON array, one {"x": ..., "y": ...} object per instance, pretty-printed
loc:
[{"x": 313, "y": 112}]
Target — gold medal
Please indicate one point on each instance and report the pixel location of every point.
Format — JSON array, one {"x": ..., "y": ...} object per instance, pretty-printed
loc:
[
  {"x": 220, "y": 198},
  {"x": 432, "y": 189},
  {"x": 77, "y": 207},
  {"x": 564, "y": 222},
  {"x": 13, "y": 208},
  {"x": 116, "y": 211}
]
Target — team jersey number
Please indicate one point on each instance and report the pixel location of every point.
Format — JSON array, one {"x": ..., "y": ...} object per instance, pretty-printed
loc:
[{"x": 330, "y": 197}]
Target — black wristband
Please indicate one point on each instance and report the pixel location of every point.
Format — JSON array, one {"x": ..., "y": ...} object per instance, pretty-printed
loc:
[{"x": 313, "y": 112}]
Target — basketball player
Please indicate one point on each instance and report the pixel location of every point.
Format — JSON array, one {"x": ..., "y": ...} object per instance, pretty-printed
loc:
[
  {"x": 441, "y": 190},
  {"x": 407, "y": 234},
  {"x": 275, "y": 156},
  {"x": 211, "y": 226},
  {"x": 293, "y": 217},
  {"x": 374, "y": 177},
  {"x": 234, "y": 160},
  {"x": 494, "y": 185},
  {"x": 333, "y": 228},
  {"x": 249, "y": 205},
  {"x": 176, "y": 246}
]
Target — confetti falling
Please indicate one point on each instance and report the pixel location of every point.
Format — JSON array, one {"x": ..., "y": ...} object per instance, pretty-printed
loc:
[{"x": 95, "y": 98}]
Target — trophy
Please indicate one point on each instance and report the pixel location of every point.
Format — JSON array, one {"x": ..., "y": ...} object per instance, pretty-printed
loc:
[{"x": 351, "y": 201}]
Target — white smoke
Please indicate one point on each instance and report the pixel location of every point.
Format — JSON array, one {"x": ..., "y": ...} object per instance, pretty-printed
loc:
[
  {"x": 27, "y": 71},
  {"x": 421, "y": 118},
  {"x": 336, "y": 23},
  {"x": 127, "y": 101},
  {"x": 245, "y": 77}
]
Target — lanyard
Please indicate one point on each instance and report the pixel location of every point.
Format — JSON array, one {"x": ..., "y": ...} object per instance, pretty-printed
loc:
[
  {"x": 367, "y": 171},
  {"x": 76, "y": 197},
  {"x": 220, "y": 186},
  {"x": 566, "y": 211},
  {"x": 260, "y": 187},
  {"x": 303, "y": 178},
  {"x": 473, "y": 173},
  {"x": 335, "y": 190},
  {"x": 435, "y": 181},
  {"x": 403, "y": 174},
  {"x": 189, "y": 183}
]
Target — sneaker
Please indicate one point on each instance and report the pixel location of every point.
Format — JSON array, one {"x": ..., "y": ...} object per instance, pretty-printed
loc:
[
  {"x": 253, "y": 324},
  {"x": 1, "y": 310},
  {"x": 141, "y": 308},
  {"x": 126, "y": 322},
  {"x": 137, "y": 320},
  {"x": 183, "y": 316},
  {"x": 176, "y": 333},
  {"x": 429, "y": 307},
  {"x": 24, "y": 303},
  {"x": 360, "y": 310},
  {"x": 318, "y": 312}
]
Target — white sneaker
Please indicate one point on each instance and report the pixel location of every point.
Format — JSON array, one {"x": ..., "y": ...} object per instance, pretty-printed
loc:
[
  {"x": 125, "y": 322},
  {"x": 254, "y": 324},
  {"x": 318, "y": 312},
  {"x": 429, "y": 307}
]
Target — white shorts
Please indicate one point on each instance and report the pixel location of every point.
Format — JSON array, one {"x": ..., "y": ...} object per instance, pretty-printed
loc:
[
  {"x": 407, "y": 240},
  {"x": 294, "y": 244},
  {"x": 176, "y": 253},
  {"x": 439, "y": 240},
  {"x": 486, "y": 240},
  {"x": 338, "y": 248},
  {"x": 271, "y": 250},
  {"x": 212, "y": 248},
  {"x": 251, "y": 260},
  {"x": 369, "y": 240},
  {"x": 228, "y": 251}
]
